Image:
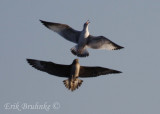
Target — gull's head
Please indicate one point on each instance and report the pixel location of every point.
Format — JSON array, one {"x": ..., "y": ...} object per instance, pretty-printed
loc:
[{"x": 86, "y": 23}]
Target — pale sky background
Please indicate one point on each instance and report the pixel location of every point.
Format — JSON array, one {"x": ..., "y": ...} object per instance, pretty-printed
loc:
[{"x": 134, "y": 24}]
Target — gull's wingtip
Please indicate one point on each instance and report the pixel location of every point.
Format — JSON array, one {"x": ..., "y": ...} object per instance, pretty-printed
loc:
[
  {"x": 42, "y": 21},
  {"x": 121, "y": 47},
  {"x": 118, "y": 47},
  {"x": 45, "y": 23}
]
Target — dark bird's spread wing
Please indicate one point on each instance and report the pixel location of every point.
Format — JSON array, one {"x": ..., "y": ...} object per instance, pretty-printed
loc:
[
  {"x": 64, "y": 30},
  {"x": 100, "y": 42},
  {"x": 95, "y": 71},
  {"x": 51, "y": 68}
]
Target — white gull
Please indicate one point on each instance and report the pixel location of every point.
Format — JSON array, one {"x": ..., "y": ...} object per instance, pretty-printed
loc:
[{"x": 82, "y": 38}]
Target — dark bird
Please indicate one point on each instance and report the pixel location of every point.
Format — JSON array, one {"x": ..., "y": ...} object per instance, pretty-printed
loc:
[
  {"x": 72, "y": 71},
  {"x": 82, "y": 38}
]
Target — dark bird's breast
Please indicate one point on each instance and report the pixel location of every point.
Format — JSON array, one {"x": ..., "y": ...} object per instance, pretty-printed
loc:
[{"x": 75, "y": 70}]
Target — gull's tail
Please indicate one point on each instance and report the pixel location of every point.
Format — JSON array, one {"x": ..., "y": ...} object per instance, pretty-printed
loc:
[{"x": 83, "y": 53}]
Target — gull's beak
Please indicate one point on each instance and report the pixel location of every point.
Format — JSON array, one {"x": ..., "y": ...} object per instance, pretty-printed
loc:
[{"x": 87, "y": 22}]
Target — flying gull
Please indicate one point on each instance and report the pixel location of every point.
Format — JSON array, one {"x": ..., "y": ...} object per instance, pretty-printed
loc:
[
  {"x": 82, "y": 38},
  {"x": 72, "y": 71}
]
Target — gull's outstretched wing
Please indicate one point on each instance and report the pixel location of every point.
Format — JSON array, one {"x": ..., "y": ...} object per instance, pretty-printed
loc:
[
  {"x": 100, "y": 42},
  {"x": 64, "y": 30},
  {"x": 51, "y": 68},
  {"x": 86, "y": 72}
]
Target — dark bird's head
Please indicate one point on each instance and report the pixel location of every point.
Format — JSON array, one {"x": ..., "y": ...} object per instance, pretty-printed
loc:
[
  {"x": 75, "y": 61},
  {"x": 86, "y": 23}
]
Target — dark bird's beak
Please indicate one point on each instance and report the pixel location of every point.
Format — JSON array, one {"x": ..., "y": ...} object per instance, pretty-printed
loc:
[{"x": 77, "y": 60}]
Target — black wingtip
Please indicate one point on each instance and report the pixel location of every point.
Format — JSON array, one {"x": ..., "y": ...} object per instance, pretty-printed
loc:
[
  {"x": 42, "y": 21},
  {"x": 30, "y": 61},
  {"x": 45, "y": 23},
  {"x": 114, "y": 71},
  {"x": 118, "y": 47},
  {"x": 119, "y": 72}
]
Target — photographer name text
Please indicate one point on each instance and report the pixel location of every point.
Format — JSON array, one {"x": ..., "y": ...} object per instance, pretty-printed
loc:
[{"x": 35, "y": 106}]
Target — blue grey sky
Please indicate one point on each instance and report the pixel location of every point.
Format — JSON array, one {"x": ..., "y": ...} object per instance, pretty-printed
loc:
[{"x": 134, "y": 24}]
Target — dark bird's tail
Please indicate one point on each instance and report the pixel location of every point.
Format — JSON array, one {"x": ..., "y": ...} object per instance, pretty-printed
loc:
[{"x": 72, "y": 84}]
